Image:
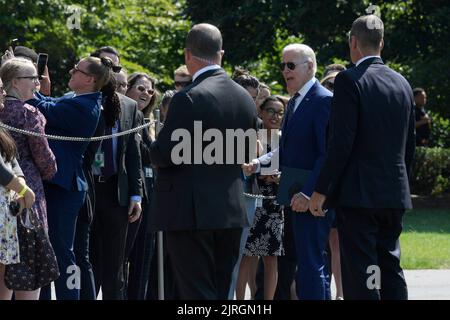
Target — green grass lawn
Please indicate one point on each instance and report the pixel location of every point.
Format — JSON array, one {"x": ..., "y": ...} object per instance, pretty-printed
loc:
[{"x": 425, "y": 241}]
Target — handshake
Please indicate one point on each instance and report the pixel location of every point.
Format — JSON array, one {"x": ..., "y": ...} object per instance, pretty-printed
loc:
[{"x": 250, "y": 168}]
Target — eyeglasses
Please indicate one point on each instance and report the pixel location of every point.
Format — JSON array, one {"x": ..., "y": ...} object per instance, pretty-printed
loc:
[
  {"x": 32, "y": 78},
  {"x": 75, "y": 67},
  {"x": 141, "y": 88},
  {"x": 116, "y": 69},
  {"x": 122, "y": 84},
  {"x": 271, "y": 112},
  {"x": 182, "y": 83},
  {"x": 290, "y": 65}
]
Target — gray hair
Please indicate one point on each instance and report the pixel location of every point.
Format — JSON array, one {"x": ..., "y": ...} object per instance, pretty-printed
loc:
[
  {"x": 12, "y": 69},
  {"x": 304, "y": 52}
]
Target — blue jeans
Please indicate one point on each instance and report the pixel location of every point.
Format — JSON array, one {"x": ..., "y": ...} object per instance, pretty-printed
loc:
[{"x": 250, "y": 205}]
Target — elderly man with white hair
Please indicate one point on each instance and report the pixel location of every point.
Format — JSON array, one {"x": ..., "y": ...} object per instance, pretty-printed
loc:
[{"x": 301, "y": 155}]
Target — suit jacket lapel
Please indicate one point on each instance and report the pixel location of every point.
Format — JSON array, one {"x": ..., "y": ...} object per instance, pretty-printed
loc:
[
  {"x": 304, "y": 104},
  {"x": 123, "y": 125}
]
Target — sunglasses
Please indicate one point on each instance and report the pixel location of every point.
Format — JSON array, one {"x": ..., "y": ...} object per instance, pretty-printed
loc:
[
  {"x": 141, "y": 88},
  {"x": 182, "y": 83},
  {"x": 271, "y": 112},
  {"x": 116, "y": 69},
  {"x": 290, "y": 65}
]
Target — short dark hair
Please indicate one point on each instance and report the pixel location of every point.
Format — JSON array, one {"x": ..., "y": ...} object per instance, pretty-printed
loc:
[
  {"x": 27, "y": 53},
  {"x": 368, "y": 30},
  {"x": 242, "y": 77},
  {"x": 273, "y": 98},
  {"x": 204, "y": 41},
  {"x": 417, "y": 91},
  {"x": 105, "y": 49},
  {"x": 335, "y": 67}
]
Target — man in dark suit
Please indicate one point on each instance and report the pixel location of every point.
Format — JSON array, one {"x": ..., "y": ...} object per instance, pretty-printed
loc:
[
  {"x": 201, "y": 207},
  {"x": 302, "y": 146},
  {"x": 365, "y": 173},
  {"x": 118, "y": 188}
]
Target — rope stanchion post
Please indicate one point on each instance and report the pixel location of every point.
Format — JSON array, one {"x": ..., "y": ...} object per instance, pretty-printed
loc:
[{"x": 160, "y": 233}]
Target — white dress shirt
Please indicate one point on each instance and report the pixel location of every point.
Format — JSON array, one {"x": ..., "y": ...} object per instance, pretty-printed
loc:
[
  {"x": 204, "y": 69},
  {"x": 364, "y": 59}
]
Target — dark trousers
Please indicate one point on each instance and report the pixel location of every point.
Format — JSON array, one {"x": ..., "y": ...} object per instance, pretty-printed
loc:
[
  {"x": 139, "y": 256},
  {"x": 203, "y": 261},
  {"x": 311, "y": 241},
  {"x": 287, "y": 265},
  {"x": 62, "y": 211},
  {"x": 81, "y": 248},
  {"x": 369, "y": 239},
  {"x": 108, "y": 237}
]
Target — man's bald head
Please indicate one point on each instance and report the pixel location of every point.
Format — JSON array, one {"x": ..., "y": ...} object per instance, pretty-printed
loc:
[{"x": 205, "y": 41}]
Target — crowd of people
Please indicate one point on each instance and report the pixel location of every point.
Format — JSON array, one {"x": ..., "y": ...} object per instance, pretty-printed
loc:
[{"x": 333, "y": 207}]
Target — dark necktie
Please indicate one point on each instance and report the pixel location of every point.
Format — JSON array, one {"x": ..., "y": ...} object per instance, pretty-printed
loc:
[
  {"x": 291, "y": 106},
  {"x": 107, "y": 148}
]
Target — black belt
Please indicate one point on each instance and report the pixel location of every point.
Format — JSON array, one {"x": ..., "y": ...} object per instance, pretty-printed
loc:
[{"x": 104, "y": 179}]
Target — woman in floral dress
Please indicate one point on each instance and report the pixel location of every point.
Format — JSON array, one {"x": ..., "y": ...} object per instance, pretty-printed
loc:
[{"x": 266, "y": 234}]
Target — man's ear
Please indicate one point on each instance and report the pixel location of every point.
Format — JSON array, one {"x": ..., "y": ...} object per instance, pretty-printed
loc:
[
  {"x": 381, "y": 45},
  {"x": 353, "y": 43},
  {"x": 187, "y": 55}
]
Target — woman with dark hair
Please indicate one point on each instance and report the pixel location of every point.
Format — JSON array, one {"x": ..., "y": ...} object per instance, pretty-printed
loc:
[
  {"x": 266, "y": 234},
  {"x": 11, "y": 178},
  {"x": 140, "y": 241},
  {"x": 247, "y": 81},
  {"x": 141, "y": 88},
  {"x": 72, "y": 115}
]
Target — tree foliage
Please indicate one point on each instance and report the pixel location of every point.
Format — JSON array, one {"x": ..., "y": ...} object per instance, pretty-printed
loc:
[
  {"x": 149, "y": 34},
  {"x": 416, "y": 35}
]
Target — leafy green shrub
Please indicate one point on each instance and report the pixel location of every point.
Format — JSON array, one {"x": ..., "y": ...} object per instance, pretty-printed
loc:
[
  {"x": 431, "y": 171},
  {"x": 440, "y": 131}
]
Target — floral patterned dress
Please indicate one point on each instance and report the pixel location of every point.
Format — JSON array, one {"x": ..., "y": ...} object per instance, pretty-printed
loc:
[
  {"x": 35, "y": 157},
  {"x": 9, "y": 243},
  {"x": 266, "y": 234}
]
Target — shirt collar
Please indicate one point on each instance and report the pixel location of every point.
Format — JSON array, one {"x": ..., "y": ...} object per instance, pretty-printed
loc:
[
  {"x": 204, "y": 69},
  {"x": 364, "y": 59},
  {"x": 81, "y": 94},
  {"x": 308, "y": 85}
]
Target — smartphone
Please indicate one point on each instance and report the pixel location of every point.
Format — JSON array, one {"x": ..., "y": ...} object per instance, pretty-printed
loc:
[
  {"x": 13, "y": 43},
  {"x": 42, "y": 62}
]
